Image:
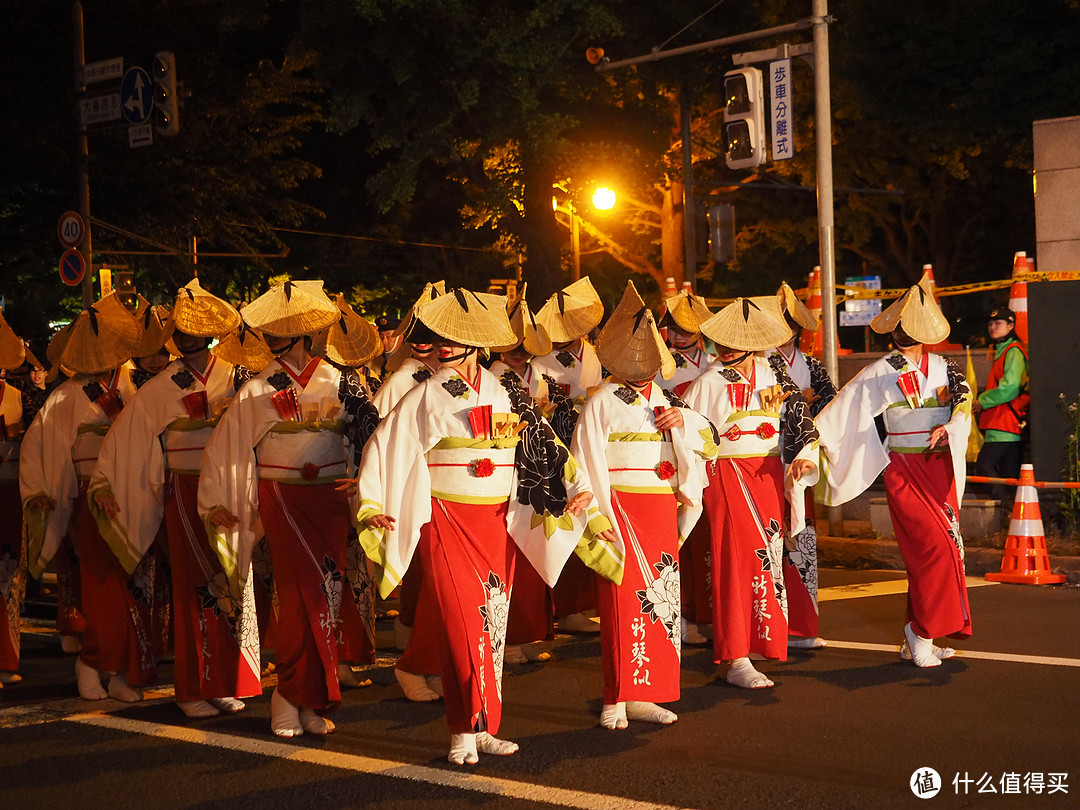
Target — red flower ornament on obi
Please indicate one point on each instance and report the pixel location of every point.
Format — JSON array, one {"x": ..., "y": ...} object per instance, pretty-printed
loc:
[
  {"x": 733, "y": 434},
  {"x": 482, "y": 467},
  {"x": 766, "y": 430},
  {"x": 309, "y": 472},
  {"x": 665, "y": 470}
]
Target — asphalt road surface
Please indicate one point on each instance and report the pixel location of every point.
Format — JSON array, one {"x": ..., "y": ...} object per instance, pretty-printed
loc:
[{"x": 847, "y": 726}]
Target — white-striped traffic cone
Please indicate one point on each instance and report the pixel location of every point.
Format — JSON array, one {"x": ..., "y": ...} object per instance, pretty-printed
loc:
[
  {"x": 1026, "y": 560},
  {"x": 1018, "y": 293},
  {"x": 810, "y": 342}
]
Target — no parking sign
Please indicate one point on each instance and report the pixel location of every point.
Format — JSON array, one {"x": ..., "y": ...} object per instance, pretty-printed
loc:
[{"x": 72, "y": 267}]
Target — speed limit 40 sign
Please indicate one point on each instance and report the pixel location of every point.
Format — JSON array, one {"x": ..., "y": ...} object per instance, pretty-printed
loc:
[{"x": 71, "y": 229}]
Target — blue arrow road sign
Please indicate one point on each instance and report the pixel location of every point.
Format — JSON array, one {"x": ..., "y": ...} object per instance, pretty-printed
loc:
[{"x": 136, "y": 95}]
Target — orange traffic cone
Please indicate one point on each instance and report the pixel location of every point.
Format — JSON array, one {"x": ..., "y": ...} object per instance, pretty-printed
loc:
[
  {"x": 1026, "y": 560},
  {"x": 1018, "y": 293},
  {"x": 810, "y": 342}
]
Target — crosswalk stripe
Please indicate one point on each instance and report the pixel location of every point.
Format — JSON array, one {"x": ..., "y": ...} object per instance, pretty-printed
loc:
[
  {"x": 984, "y": 656},
  {"x": 887, "y": 587}
]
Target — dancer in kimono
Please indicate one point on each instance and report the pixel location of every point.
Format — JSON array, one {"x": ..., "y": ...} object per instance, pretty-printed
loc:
[
  {"x": 471, "y": 455},
  {"x": 683, "y": 315},
  {"x": 148, "y": 470},
  {"x": 800, "y": 550},
  {"x": 909, "y": 414},
  {"x": 12, "y": 565},
  {"x": 532, "y": 618},
  {"x": 573, "y": 369},
  {"x": 767, "y": 443},
  {"x": 645, "y": 453},
  {"x": 59, "y": 452},
  {"x": 275, "y": 457}
]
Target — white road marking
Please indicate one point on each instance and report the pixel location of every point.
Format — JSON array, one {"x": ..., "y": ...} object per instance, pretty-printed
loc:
[
  {"x": 887, "y": 587},
  {"x": 489, "y": 785},
  {"x": 985, "y": 656}
]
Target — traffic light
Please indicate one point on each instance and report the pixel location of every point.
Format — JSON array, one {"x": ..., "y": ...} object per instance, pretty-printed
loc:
[
  {"x": 744, "y": 118},
  {"x": 166, "y": 109}
]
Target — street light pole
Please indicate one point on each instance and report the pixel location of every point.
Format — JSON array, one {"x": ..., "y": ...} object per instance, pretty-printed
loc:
[
  {"x": 83, "y": 152},
  {"x": 823, "y": 143},
  {"x": 575, "y": 244}
]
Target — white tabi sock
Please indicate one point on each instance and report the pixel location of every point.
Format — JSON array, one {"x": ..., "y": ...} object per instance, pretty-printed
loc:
[
  {"x": 7, "y": 676},
  {"x": 197, "y": 708},
  {"x": 119, "y": 690},
  {"x": 434, "y": 683},
  {"x": 89, "y": 681},
  {"x": 513, "y": 655},
  {"x": 228, "y": 705},
  {"x": 535, "y": 652},
  {"x": 613, "y": 716},
  {"x": 314, "y": 723},
  {"x": 70, "y": 644},
  {"x": 578, "y": 623},
  {"x": 462, "y": 750},
  {"x": 691, "y": 634},
  {"x": 414, "y": 686},
  {"x": 649, "y": 713},
  {"x": 486, "y": 744},
  {"x": 922, "y": 649},
  {"x": 806, "y": 643},
  {"x": 284, "y": 717},
  {"x": 741, "y": 673},
  {"x": 941, "y": 652}
]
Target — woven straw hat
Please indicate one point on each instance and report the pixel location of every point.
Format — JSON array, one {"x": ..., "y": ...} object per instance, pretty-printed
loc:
[
  {"x": 468, "y": 318},
  {"x": 917, "y": 313},
  {"x": 157, "y": 326},
  {"x": 200, "y": 314},
  {"x": 526, "y": 327},
  {"x": 791, "y": 305},
  {"x": 103, "y": 337},
  {"x": 749, "y": 325},
  {"x": 630, "y": 346},
  {"x": 688, "y": 311},
  {"x": 55, "y": 349},
  {"x": 571, "y": 312},
  {"x": 12, "y": 349},
  {"x": 430, "y": 293},
  {"x": 291, "y": 309},
  {"x": 351, "y": 340},
  {"x": 244, "y": 347}
]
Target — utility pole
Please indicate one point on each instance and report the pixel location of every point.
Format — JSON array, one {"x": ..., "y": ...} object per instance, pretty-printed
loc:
[
  {"x": 83, "y": 152},
  {"x": 689, "y": 251},
  {"x": 823, "y": 143}
]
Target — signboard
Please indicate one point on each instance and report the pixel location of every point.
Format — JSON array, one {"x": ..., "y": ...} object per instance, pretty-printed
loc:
[
  {"x": 102, "y": 71},
  {"x": 781, "y": 110},
  {"x": 100, "y": 109},
  {"x": 859, "y": 312},
  {"x": 136, "y": 95},
  {"x": 72, "y": 267},
  {"x": 71, "y": 229},
  {"x": 140, "y": 135}
]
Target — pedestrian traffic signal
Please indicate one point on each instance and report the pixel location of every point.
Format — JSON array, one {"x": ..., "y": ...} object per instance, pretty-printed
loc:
[
  {"x": 744, "y": 119},
  {"x": 166, "y": 109}
]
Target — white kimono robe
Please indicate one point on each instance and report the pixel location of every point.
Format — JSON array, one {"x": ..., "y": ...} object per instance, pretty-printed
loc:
[
  {"x": 59, "y": 450},
  {"x": 153, "y": 435},
  {"x": 425, "y": 448},
  {"x": 579, "y": 370},
  {"x": 689, "y": 365},
  {"x": 399, "y": 383}
]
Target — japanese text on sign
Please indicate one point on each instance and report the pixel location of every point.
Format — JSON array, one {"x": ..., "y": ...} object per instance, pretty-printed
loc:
[{"x": 780, "y": 100}]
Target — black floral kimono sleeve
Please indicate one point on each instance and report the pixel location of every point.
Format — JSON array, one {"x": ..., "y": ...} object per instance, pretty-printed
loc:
[
  {"x": 540, "y": 457},
  {"x": 361, "y": 416},
  {"x": 564, "y": 417},
  {"x": 822, "y": 385},
  {"x": 797, "y": 428}
]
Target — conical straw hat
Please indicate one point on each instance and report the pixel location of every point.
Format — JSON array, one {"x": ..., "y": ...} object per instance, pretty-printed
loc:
[
  {"x": 430, "y": 293},
  {"x": 468, "y": 318},
  {"x": 351, "y": 340},
  {"x": 630, "y": 346},
  {"x": 572, "y": 312},
  {"x": 103, "y": 337},
  {"x": 55, "y": 350},
  {"x": 291, "y": 309},
  {"x": 200, "y": 314},
  {"x": 12, "y": 349},
  {"x": 526, "y": 327},
  {"x": 917, "y": 313},
  {"x": 157, "y": 328},
  {"x": 244, "y": 347},
  {"x": 688, "y": 311},
  {"x": 791, "y": 305},
  {"x": 748, "y": 325}
]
